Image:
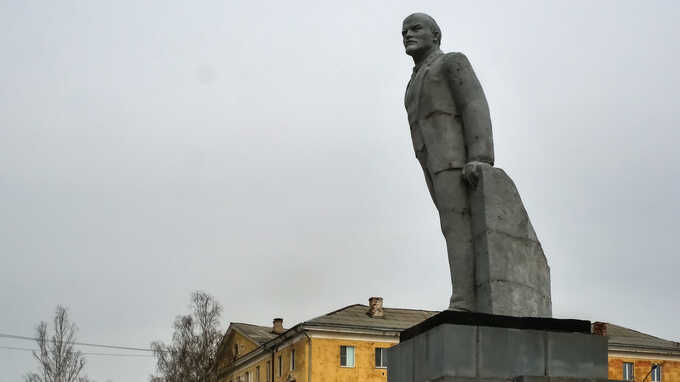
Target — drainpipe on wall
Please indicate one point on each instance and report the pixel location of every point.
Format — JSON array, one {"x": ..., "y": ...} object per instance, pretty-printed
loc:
[
  {"x": 271, "y": 368},
  {"x": 309, "y": 356}
]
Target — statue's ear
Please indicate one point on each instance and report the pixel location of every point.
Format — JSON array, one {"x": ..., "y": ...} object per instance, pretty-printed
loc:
[{"x": 437, "y": 37}]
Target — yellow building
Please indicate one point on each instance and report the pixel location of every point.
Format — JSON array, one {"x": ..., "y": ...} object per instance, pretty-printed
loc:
[
  {"x": 345, "y": 345},
  {"x": 632, "y": 355}
]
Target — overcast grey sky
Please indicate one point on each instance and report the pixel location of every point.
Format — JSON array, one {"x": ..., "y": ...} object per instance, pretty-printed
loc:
[{"x": 260, "y": 151}]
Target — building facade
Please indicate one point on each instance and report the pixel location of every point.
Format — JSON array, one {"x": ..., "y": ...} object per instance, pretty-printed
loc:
[
  {"x": 636, "y": 356},
  {"x": 348, "y": 345}
]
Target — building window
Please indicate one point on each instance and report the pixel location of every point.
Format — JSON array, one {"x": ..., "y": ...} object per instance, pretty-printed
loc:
[
  {"x": 656, "y": 374},
  {"x": 347, "y": 356},
  {"x": 280, "y": 366},
  {"x": 235, "y": 350},
  {"x": 247, "y": 376},
  {"x": 380, "y": 357},
  {"x": 269, "y": 371},
  {"x": 292, "y": 359},
  {"x": 628, "y": 371},
  {"x": 257, "y": 374}
]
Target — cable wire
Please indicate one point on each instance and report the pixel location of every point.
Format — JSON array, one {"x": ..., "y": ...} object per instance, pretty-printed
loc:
[
  {"x": 97, "y": 354},
  {"x": 79, "y": 343}
]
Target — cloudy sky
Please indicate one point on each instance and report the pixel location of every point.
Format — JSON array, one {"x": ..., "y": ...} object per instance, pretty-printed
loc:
[{"x": 260, "y": 151}]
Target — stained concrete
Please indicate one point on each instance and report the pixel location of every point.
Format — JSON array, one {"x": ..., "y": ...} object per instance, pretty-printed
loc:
[
  {"x": 559, "y": 379},
  {"x": 452, "y": 317},
  {"x": 512, "y": 276},
  {"x": 433, "y": 356},
  {"x": 520, "y": 379},
  {"x": 496, "y": 262},
  {"x": 509, "y": 352},
  {"x": 450, "y": 127},
  {"x": 576, "y": 355},
  {"x": 451, "y": 352},
  {"x": 400, "y": 363}
]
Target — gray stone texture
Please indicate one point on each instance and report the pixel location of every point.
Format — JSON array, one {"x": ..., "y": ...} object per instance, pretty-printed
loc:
[
  {"x": 478, "y": 353},
  {"x": 510, "y": 352},
  {"x": 469, "y": 379},
  {"x": 496, "y": 263},
  {"x": 433, "y": 356},
  {"x": 450, "y": 127},
  {"x": 525, "y": 378},
  {"x": 401, "y": 361},
  {"x": 576, "y": 355},
  {"x": 521, "y": 379},
  {"x": 512, "y": 276}
]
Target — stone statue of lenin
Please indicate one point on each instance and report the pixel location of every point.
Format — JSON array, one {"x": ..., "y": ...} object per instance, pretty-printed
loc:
[{"x": 451, "y": 132}]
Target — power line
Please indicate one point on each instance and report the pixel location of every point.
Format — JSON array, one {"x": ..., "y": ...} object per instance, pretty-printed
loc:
[
  {"x": 78, "y": 343},
  {"x": 13, "y": 348},
  {"x": 98, "y": 354}
]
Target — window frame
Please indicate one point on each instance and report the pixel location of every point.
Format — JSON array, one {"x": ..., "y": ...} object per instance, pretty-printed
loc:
[
  {"x": 383, "y": 358},
  {"x": 257, "y": 373},
  {"x": 280, "y": 366},
  {"x": 345, "y": 347},
  {"x": 657, "y": 372},
  {"x": 292, "y": 359},
  {"x": 269, "y": 371},
  {"x": 628, "y": 366}
]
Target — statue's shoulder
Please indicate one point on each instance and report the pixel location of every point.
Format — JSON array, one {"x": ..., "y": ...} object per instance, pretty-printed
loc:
[{"x": 456, "y": 60}]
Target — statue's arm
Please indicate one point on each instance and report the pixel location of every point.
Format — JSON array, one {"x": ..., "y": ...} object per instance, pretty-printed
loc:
[{"x": 472, "y": 108}]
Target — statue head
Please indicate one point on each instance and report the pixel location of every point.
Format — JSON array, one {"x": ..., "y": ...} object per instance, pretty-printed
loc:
[{"x": 420, "y": 34}]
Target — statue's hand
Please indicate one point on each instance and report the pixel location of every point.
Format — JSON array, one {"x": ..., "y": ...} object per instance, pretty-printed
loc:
[{"x": 473, "y": 171}]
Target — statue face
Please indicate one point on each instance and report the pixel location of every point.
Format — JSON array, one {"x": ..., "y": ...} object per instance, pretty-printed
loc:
[{"x": 417, "y": 35}]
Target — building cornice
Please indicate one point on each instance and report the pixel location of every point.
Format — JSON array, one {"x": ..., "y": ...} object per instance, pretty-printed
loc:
[
  {"x": 646, "y": 349},
  {"x": 314, "y": 330},
  {"x": 649, "y": 354}
]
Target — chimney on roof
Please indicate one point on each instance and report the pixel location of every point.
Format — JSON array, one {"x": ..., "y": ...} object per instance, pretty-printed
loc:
[
  {"x": 278, "y": 326},
  {"x": 600, "y": 328},
  {"x": 375, "y": 307}
]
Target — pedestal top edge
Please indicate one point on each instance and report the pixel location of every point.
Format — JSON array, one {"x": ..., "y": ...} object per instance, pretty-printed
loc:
[{"x": 498, "y": 321}]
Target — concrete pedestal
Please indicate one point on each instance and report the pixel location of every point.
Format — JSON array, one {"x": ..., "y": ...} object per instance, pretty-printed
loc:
[
  {"x": 512, "y": 276},
  {"x": 467, "y": 347}
]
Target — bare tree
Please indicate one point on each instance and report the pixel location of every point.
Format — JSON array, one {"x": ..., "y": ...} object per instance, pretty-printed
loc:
[
  {"x": 191, "y": 354},
  {"x": 57, "y": 360}
]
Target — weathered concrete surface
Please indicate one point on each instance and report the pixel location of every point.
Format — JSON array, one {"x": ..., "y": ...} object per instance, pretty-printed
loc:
[
  {"x": 521, "y": 379},
  {"x": 450, "y": 127},
  {"x": 451, "y": 352},
  {"x": 576, "y": 355},
  {"x": 559, "y": 379},
  {"x": 510, "y": 352},
  {"x": 512, "y": 276},
  {"x": 433, "y": 352}
]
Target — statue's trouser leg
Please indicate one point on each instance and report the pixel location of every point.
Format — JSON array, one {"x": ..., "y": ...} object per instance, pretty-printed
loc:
[{"x": 451, "y": 194}]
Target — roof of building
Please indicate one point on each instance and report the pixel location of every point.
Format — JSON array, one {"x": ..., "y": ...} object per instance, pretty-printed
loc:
[
  {"x": 619, "y": 335},
  {"x": 356, "y": 316},
  {"x": 352, "y": 316},
  {"x": 257, "y": 333}
]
